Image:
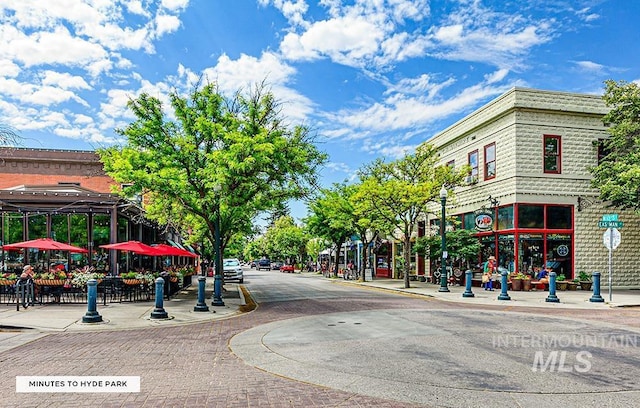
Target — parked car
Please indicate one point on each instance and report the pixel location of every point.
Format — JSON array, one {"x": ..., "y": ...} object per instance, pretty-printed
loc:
[
  {"x": 287, "y": 268},
  {"x": 264, "y": 263},
  {"x": 254, "y": 263},
  {"x": 276, "y": 265},
  {"x": 232, "y": 270}
]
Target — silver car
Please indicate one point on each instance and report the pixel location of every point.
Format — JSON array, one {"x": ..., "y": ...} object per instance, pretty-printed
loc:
[{"x": 232, "y": 270}]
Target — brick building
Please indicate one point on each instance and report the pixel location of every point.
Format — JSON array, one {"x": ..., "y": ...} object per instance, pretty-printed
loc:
[
  {"x": 66, "y": 195},
  {"x": 528, "y": 197}
]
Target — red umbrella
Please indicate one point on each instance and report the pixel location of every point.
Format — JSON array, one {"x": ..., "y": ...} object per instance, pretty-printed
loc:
[
  {"x": 44, "y": 244},
  {"x": 134, "y": 246},
  {"x": 171, "y": 250}
]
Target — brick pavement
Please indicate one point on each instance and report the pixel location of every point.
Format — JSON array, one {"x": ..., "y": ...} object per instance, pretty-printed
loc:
[
  {"x": 181, "y": 366},
  {"x": 191, "y": 365}
]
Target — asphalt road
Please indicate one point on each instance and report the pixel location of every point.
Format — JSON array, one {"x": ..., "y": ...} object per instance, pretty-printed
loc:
[{"x": 316, "y": 343}]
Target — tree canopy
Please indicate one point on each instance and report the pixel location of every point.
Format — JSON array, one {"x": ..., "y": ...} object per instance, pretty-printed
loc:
[
  {"x": 617, "y": 176},
  {"x": 399, "y": 193},
  {"x": 331, "y": 217},
  {"x": 213, "y": 154}
]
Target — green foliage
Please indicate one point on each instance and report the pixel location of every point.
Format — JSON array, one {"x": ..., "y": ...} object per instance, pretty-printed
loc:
[
  {"x": 461, "y": 244},
  {"x": 397, "y": 194},
  {"x": 285, "y": 240},
  {"x": 331, "y": 217},
  {"x": 584, "y": 277},
  {"x": 315, "y": 246},
  {"x": 231, "y": 156},
  {"x": 618, "y": 175}
]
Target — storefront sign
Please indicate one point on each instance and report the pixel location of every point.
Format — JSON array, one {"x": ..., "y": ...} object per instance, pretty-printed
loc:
[{"x": 483, "y": 220}]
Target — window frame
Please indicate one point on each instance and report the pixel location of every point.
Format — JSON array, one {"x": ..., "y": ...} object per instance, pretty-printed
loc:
[
  {"x": 557, "y": 154},
  {"x": 486, "y": 162},
  {"x": 476, "y": 167}
]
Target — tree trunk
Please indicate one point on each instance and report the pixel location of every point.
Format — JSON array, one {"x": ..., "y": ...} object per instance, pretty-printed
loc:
[{"x": 407, "y": 261}]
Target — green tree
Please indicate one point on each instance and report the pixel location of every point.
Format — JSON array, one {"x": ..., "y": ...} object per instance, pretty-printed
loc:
[
  {"x": 461, "y": 244},
  {"x": 618, "y": 175},
  {"x": 399, "y": 193},
  {"x": 286, "y": 241},
  {"x": 315, "y": 246},
  {"x": 331, "y": 218},
  {"x": 228, "y": 156}
]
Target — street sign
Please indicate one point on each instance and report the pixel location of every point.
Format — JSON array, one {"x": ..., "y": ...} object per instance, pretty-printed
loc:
[
  {"x": 610, "y": 224},
  {"x": 611, "y": 238},
  {"x": 610, "y": 217}
]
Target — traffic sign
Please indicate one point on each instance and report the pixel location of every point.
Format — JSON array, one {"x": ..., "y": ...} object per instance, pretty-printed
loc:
[
  {"x": 611, "y": 238},
  {"x": 610, "y": 224}
]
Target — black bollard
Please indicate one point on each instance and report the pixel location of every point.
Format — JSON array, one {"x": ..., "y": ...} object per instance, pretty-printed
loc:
[
  {"x": 468, "y": 276},
  {"x": 503, "y": 286},
  {"x": 158, "y": 311},
  {"x": 92, "y": 315},
  {"x": 596, "y": 297},
  {"x": 552, "y": 298},
  {"x": 201, "y": 306}
]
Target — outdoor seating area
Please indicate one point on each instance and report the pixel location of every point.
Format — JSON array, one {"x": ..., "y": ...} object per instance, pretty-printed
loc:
[
  {"x": 54, "y": 283},
  {"x": 111, "y": 289}
]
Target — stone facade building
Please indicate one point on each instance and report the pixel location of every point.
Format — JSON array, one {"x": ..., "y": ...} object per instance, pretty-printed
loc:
[{"x": 528, "y": 197}]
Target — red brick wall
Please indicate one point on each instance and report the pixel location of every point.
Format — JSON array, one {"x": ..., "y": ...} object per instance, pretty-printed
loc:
[{"x": 20, "y": 166}]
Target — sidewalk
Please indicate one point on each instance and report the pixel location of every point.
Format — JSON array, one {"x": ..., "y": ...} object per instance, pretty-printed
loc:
[
  {"x": 575, "y": 299},
  {"x": 48, "y": 318}
]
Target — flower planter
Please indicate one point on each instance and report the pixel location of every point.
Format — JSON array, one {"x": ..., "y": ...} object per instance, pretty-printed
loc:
[
  {"x": 526, "y": 284},
  {"x": 572, "y": 286},
  {"x": 49, "y": 282},
  {"x": 516, "y": 284},
  {"x": 562, "y": 285},
  {"x": 585, "y": 285},
  {"x": 132, "y": 281},
  {"x": 7, "y": 282}
]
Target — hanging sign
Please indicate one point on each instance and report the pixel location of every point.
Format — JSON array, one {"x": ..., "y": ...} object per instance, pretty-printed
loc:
[{"x": 483, "y": 220}]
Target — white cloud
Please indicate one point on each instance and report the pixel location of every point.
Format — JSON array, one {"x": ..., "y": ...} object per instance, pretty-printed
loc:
[
  {"x": 64, "y": 80},
  {"x": 166, "y": 24},
  {"x": 175, "y": 5},
  {"x": 346, "y": 40},
  {"x": 590, "y": 66}
]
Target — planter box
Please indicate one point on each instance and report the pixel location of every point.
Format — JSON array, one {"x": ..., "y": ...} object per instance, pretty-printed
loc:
[
  {"x": 586, "y": 285},
  {"x": 516, "y": 284},
  {"x": 562, "y": 285}
]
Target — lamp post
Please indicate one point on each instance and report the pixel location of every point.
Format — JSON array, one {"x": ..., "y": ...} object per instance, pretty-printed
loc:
[
  {"x": 443, "y": 263},
  {"x": 217, "y": 279}
]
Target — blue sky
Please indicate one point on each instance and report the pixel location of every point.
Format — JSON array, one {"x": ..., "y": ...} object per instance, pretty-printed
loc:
[{"x": 371, "y": 78}]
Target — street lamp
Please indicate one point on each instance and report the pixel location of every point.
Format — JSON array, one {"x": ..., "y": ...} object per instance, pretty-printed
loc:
[
  {"x": 443, "y": 263},
  {"x": 217, "y": 280}
]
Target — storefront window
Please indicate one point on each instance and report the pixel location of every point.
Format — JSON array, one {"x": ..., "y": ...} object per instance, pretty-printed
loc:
[
  {"x": 559, "y": 254},
  {"x": 78, "y": 236},
  {"x": 505, "y": 217},
  {"x": 12, "y": 228},
  {"x": 101, "y": 234},
  {"x": 469, "y": 220},
  {"x": 559, "y": 217},
  {"x": 530, "y": 252},
  {"x": 506, "y": 252},
  {"x": 530, "y": 216},
  {"x": 488, "y": 248},
  {"x": 12, "y": 261},
  {"x": 37, "y": 226}
]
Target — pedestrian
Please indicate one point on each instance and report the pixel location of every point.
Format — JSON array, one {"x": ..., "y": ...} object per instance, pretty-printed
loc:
[{"x": 489, "y": 271}]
